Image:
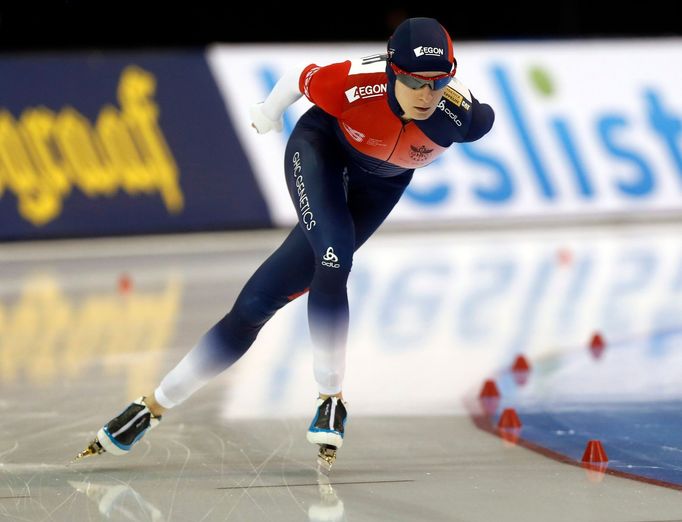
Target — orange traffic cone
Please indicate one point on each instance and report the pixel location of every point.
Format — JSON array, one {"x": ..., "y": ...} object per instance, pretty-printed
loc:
[
  {"x": 125, "y": 284},
  {"x": 595, "y": 462},
  {"x": 521, "y": 364},
  {"x": 520, "y": 370},
  {"x": 509, "y": 420},
  {"x": 597, "y": 345},
  {"x": 489, "y": 389},
  {"x": 594, "y": 452}
]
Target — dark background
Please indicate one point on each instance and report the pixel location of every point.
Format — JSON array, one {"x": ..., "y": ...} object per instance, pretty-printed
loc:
[{"x": 101, "y": 24}]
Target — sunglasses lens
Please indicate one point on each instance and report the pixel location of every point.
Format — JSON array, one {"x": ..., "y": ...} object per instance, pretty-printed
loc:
[
  {"x": 418, "y": 83},
  {"x": 412, "y": 82},
  {"x": 441, "y": 82}
]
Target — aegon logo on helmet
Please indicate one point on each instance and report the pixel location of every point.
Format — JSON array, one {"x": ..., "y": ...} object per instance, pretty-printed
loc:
[{"x": 428, "y": 51}]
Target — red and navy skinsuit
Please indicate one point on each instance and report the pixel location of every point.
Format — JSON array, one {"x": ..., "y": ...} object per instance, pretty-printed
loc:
[
  {"x": 360, "y": 95},
  {"x": 347, "y": 163}
]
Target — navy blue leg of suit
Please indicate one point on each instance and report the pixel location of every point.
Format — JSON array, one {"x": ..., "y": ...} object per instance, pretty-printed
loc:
[{"x": 338, "y": 208}]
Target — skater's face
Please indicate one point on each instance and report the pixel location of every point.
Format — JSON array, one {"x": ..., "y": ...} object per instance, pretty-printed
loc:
[{"x": 419, "y": 103}]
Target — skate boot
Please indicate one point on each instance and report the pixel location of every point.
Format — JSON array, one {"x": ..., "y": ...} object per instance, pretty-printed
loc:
[
  {"x": 327, "y": 429},
  {"x": 120, "y": 434}
]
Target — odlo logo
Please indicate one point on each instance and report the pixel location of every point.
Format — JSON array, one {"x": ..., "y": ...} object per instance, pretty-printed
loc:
[
  {"x": 330, "y": 259},
  {"x": 449, "y": 113}
]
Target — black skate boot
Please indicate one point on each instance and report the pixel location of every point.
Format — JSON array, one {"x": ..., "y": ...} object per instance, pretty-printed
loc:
[
  {"x": 327, "y": 429},
  {"x": 120, "y": 434}
]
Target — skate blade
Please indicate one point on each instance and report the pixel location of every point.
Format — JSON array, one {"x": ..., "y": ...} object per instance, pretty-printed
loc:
[
  {"x": 326, "y": 458},
  {"x": 94, "y": 448}
]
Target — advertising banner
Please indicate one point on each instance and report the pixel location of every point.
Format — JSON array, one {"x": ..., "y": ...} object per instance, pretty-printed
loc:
[
  {"x": 94, "y": 144},
  {"x": 583, "y": 129}
]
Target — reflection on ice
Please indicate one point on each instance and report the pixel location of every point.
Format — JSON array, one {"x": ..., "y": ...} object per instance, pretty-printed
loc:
[
  {"x": 628, "y": 371},
  {"x": 330, "y": 507},
  {"x": 451, "y": 310},
  {"x": 118, "y": 501}
]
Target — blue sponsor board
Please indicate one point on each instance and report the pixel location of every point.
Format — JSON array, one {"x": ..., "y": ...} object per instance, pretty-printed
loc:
[{"x": 106, "y": 144}]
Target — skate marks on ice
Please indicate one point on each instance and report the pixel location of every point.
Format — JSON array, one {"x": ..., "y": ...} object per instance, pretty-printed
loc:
[
  {"x": 118, "y": 500},
  {"x": 261, "y": 474},
  {"x": 114, "y": 500},
  {"x": 203, "y": 465},
  {"x": 325, "y": 478},
  {"x": 196, "y": 468},
  {"x": 252, "y": 467}
]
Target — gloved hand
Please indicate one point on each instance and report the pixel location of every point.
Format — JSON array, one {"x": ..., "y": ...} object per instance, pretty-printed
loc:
[{"x": 261, "y": 122}]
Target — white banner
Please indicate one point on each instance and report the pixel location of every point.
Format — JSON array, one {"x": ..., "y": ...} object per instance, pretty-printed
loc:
[{"x": 582, "y": 129}]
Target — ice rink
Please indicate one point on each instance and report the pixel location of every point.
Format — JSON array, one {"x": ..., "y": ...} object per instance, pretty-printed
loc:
[{"x": 88, "y": 325}]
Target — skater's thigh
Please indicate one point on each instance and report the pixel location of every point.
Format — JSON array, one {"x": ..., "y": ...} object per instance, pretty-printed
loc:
[
  {"x": 371, "y": 199},
  {"x": 287, "y": 271},
  {"x": 314, "y": 170}
]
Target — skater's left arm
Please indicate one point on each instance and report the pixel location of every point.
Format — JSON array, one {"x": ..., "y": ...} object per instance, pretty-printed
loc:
[
  {"x": 482, "y": 119},
  {"x": 324, "y": 86},
  {"x": 267, "y": 115},
  {"x": 473, "y": 119}
]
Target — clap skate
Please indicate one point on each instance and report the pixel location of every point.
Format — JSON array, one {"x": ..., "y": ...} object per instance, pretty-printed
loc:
[
  {"x": 120, "y": 434},
  {"x": 326, "y": 456},
  {"x": 327, "y": 429},
  {"x": 94, "y": 448}
]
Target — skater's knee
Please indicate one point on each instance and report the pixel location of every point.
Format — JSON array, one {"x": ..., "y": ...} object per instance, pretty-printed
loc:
[
  {"x": 247, "y": 317},
  {"x": 254, "y": 308},
  {"x": 332, "y": 266}
]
